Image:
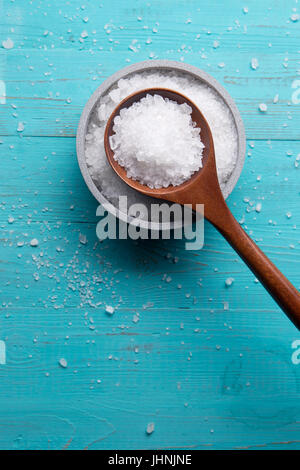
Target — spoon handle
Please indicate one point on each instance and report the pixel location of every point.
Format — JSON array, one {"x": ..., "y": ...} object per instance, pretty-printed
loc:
[{"x": 280, "y": 288}]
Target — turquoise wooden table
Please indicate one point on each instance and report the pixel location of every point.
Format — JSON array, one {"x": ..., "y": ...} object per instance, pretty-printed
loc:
[{"x": 213, "y": 367}]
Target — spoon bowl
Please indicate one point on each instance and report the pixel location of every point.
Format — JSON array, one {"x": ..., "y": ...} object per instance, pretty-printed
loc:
[
  {"x": 203, "y": 189},
  {"x": 198, "y": 119}
]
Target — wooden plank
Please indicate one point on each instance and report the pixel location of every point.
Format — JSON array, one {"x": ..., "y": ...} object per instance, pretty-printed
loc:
[
  {"x": 217, "y": 388},
  {"x": 212, "y": 366},
  {"x": 40, "y": 98}
]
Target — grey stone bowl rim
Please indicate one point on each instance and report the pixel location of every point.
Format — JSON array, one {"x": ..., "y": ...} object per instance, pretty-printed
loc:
[{"x": 140, "y": 67}]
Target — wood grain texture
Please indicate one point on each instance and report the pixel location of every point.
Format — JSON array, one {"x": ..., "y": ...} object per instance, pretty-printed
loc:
[{"x": 211, "y": 366}]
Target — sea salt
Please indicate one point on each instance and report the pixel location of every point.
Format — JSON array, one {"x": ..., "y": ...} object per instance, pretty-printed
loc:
[
  {"x": 263, "y": 107},
  {"x": 229, "y": 281},
  {"x": 109, "y": 309},
  {"x": 295, "y": 17},
  {"x": 254, "y": 63},
  {"x": 168, "y": 159},
  {"x": 7, "y": 44},
  {"x": 210, "y": 103},
  {"x": 20, "y": 127},
  {"x": 150, "y": 428},
  {"x": 258, "y": 207},
  {"x": 82, "y": 239},
  {"x": 63, "y": 363}
]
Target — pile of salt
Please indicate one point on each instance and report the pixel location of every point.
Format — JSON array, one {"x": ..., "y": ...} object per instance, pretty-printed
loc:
[{"x": 157, "y": 142}]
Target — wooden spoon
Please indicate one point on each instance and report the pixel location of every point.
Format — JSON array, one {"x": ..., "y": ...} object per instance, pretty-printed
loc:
[{"x": 203, "y": 188}]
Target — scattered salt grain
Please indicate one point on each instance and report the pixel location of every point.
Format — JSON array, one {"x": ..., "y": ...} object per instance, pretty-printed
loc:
[
  {"x": 169, "y": 159},
  {"x": 263, "y": 107},
  {"x": 254, "y": 63},
  {"x": 8, "y": 44},
  {"x": 258, "y": 207},
  {"x": 229, "y": 281},
  {"x": 20, "y": 127},
  {"x": 63, "y": 363},
  {"x": 276, "y": 98},
  {"x": 34, "y": 242},
  {"x": 82, "y": 239},
  {"x": 295, "y": 17},
  {"x": 150, "y": 428},
  {"x": 109, "y": 309}
]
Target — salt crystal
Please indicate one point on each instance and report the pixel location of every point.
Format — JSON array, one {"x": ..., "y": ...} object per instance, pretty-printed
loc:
[
  {"x": 295, "y": 17},
  {"x": 8, "y": 44},
  {"x": 115, "y": 95},
  {"x": 63, "y": 363},
  {"x": 263, "y": 107},
  {"x": 34, "y": 242},
  {"x": 150, "y": 428},
  {"x": 229, "y": 281},
  {"x": 84, "y": 34},
  {"x": 276, "y": 98},
  {"x": 132, "y": 46},
  {"x": 169, "y": 159},
  {"x": 82, "y": 239},
  {"x": 20, "y": 127},
  {"x": 254, "y": 63},
  {"x": 258, "y": 207},
  {"x": 109, "y": 309},
  {"x": 102, "y": 115}
]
